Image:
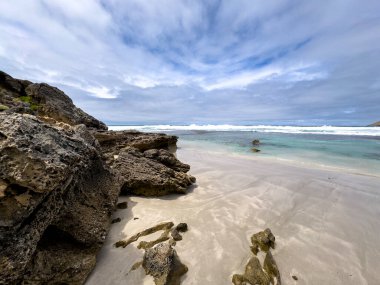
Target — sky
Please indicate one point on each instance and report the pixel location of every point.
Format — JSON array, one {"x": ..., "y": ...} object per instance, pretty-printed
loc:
[{"x": 310, "y": 62}]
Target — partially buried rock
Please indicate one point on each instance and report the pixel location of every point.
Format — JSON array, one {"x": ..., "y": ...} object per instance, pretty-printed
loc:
[
  {"x": 117, "y": 220},
  {"x": 253, "y": 274},
  {"x": 122, "y": 205},
  {"x": 263, "y": 240},
  {"x": 163, "y": 263},
  {"x": 255, "y": 150},
  {"x": 181, "y": 227},
  {"x": 176, "y": 235}
]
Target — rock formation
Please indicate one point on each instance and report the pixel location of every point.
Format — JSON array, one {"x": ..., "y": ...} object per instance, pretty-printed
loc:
[
  {"x": 255, "y": 273},
  {"x": 54, "y": 185},
  {"x": 377, "y": 124},
  {"x": 160, "y": 258},
  {"x": 60, "y": 176}
]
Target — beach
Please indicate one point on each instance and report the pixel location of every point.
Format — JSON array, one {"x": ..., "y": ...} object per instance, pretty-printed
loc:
[{"x": 325, "y": 222}]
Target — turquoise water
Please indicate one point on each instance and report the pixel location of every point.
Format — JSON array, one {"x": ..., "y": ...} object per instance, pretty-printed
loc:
[
  {"x": 355, "y": 153},
  {"x": 355, "y": 149}
]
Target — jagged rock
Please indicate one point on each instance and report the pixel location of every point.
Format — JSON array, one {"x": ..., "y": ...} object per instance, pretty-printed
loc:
[
  {"x": 147, "y": 177},
  {"x": 256, "y": 142},
  {"x": 52, "y": 180},
  {"x": 166, "y": 226},
  {"x": 144, "y": 163},
  {"x": 253, "y": 275},
  {"x": 167, "y": 158},
  {"x": 263, "y": 240},
  {"x": 48, "y": 103},
  {"x": 112, "y": 142},
  {"x": 270, "y": 266},
  {"x": 163, "y": 263}
]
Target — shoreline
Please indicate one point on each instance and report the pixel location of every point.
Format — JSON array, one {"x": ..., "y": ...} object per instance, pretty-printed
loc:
[
  {"x": 220, "y": 150},
  {"x": 324, "y": 221}
]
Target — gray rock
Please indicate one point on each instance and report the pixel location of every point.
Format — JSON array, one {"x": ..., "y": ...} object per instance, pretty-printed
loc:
[
  {"x": 51, "y": 181},
  {"x": 147, "y": 177}
]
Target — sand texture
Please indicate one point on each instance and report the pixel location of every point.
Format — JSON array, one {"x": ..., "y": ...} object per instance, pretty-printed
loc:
[{"x": 326, "y": 223}]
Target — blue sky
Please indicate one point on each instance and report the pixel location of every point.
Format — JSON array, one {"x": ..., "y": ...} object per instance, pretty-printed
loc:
[{"x": 170, "y": 61}]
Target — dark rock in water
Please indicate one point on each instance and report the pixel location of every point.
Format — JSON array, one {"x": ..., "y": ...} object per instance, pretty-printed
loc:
[
  {"x": 256, "y": 142},
  {"x": 263, "y": 240},
  {"x": 163, "y": 263},
  {"x": 122, "y": 205},
  {"x": 255, "y": 150},
  {"x": 48, "y": 103},
  {"x": 50, "y": 178},
  {"x": 147, "y": 177},
  {"x": 116, "y": 220},
  {"x": 181, "y": 227}
]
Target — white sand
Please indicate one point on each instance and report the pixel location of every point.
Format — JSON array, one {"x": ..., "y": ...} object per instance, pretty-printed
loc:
[{"x": 326, "y": 223}]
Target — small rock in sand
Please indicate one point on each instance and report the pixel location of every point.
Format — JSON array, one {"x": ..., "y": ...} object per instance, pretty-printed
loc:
[
  {"x": 115, "y": 220},
  {"x": 122, "y": 205}
]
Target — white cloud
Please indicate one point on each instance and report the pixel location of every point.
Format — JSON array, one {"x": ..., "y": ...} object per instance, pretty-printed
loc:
[{"x": 196, "y": 52}]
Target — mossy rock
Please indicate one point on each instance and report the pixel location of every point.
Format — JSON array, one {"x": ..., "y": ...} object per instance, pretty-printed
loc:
[{"x": 3, "y": 108}]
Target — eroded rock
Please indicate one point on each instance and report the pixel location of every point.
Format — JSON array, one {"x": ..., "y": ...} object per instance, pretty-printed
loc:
[
  {"x": 49, "y": 177},
  {"x": 262, "y": 240},
  {"x": 147, "y": 177},
  {"x": 255, "y": 273},
  {"x": 163, "y": 263}
]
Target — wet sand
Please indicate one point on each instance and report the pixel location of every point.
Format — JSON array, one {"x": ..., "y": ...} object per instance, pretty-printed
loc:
[{"x": 326, "y": 222}]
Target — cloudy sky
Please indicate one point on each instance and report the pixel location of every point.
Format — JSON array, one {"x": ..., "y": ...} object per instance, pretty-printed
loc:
[{"x": 307, "y": 62}]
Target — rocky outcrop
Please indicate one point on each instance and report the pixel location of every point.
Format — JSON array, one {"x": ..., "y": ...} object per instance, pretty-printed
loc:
[
  {"x": 60, "y": 175},
  {"x": 48, "y": 103},
  {"x": 377, "y": 124},
  {"x": 54, "y": 186},
  {"x": 144, "y": 164}
]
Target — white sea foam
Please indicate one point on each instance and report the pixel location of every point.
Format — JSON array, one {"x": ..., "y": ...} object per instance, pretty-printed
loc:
[{"x": 330, "y": 130}]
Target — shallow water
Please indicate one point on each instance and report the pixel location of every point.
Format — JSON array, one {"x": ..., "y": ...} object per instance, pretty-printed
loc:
[{"x": 337, "y": 147}]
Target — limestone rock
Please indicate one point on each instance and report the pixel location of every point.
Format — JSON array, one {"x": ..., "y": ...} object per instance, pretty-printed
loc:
[
  {"x": 163, "y": 263},
  {"x": 147, "y": 177},
  {"x": 51, "y": 180},
  {"x": 48, "y": 103},
  {"x": 253, "y": 275},
  {"x": 263, "y": 240}
]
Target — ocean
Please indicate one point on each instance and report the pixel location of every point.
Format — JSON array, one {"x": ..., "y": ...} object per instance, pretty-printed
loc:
[{"x": 353, "y": 149}]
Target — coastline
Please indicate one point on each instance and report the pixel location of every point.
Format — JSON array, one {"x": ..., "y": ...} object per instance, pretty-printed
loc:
[{"x": 325, "y": 222}]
